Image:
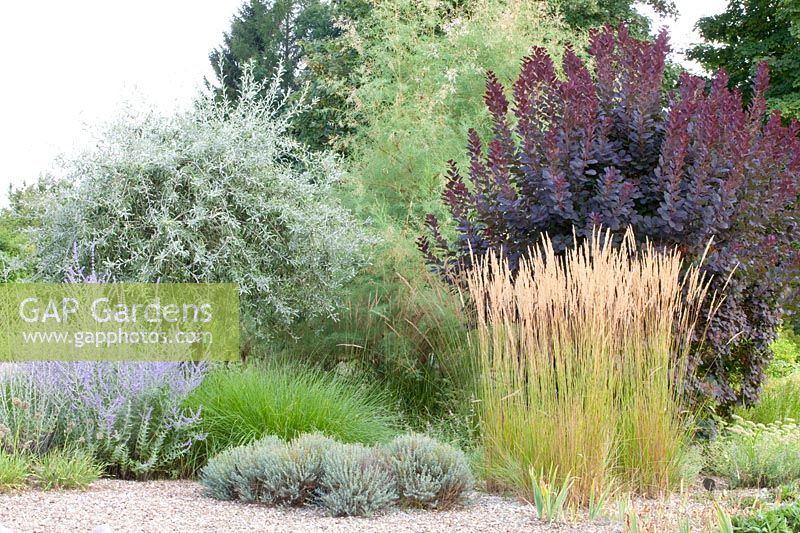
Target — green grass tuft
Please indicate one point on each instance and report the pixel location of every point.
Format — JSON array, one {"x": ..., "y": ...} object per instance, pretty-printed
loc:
[
  {"x": 14, "y": 471},
  {"x": 65, "y": 469},
  {"x": 243, "y": 404},
  {"x": 779, "y": 400}
]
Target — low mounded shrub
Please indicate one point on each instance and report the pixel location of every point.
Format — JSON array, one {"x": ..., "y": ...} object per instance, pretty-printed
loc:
[
  {"x": 255, "y": 478},
  {"x": 428, "y": 473},
  {"x": 268, "y": 470},
  {"x": 306, "y": 454},
  {"x": 217, "y": 477},
  {"x": 343, "y": 479},
  {"x": 241, "y": 405},
  {"x": 756, "y": 455},
  {"x": 356, "y": 481}
]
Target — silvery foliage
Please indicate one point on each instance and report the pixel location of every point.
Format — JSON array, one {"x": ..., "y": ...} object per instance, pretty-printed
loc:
[
  {"x": 217, "y": 477},
  {"x": 7, "y": 267},
  {"x": 129, "y": 416},
  {"x": 268, "y": 471},
  {"x": 221, "y": 193},
  {"x": 342, "y": 479},
  {"x": 428, "y": 473},
  {"x": 356, "y": 481}
]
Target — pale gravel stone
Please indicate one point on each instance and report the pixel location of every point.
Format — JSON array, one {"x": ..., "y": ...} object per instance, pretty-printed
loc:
[{"x": 160, "y": 506}]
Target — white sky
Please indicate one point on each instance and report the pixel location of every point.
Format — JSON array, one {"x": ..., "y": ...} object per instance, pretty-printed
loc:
[{"x": 68, "y": 65}]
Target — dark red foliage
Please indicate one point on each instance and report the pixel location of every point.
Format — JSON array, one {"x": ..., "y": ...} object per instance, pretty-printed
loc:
[{"x": 609, "y": 148}]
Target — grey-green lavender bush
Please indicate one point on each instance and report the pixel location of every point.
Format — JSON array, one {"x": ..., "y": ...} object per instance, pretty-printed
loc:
[
  {"x": 342, "y": 479},
  {"x": 268, "y": 471},
  {"x": 356, "y": 481},
  {"x": 257, "y": 475},
  {"x": 307, "y": 453},
  {"x": 428, "y": 473},
  {"x": 220, "y": 193},
  {"x": 217, "y": 477}
]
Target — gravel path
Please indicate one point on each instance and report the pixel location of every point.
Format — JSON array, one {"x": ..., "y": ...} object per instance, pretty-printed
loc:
[{"x": 164, "y": 506}]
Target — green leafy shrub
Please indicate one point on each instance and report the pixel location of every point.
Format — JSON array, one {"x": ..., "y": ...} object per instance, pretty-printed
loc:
[
  {"x": 783, "y": 519},
  {"x": 356, "y": 481},
  {"x": 428, "y": 473},
  {"x": 785, "y": 352},
  {"x": 220, "y": 193},
  {"x": 756, "y": 455},
  {"x": 66, "y": 469},
  {"x": 779, "y": 400},
  {"x": 14, "y": 470},
  {"x": 241, "y": 405}
]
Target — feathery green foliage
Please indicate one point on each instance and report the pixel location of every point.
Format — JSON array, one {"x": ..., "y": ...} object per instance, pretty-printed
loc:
[{"x": 779, "y": 400}]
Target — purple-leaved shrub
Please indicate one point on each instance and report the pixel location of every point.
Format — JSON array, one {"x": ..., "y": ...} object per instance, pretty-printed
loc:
[{"x": 605, "y": 146}]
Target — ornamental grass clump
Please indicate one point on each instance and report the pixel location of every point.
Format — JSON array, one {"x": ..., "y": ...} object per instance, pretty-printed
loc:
[
  {"x": 583, "y": 366},
  {"x": 66, "y": 469},
  {"x": 241, "y": 405},
  {"x": 14, "y": 471},
  {"x": 428, "y": 473}
]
